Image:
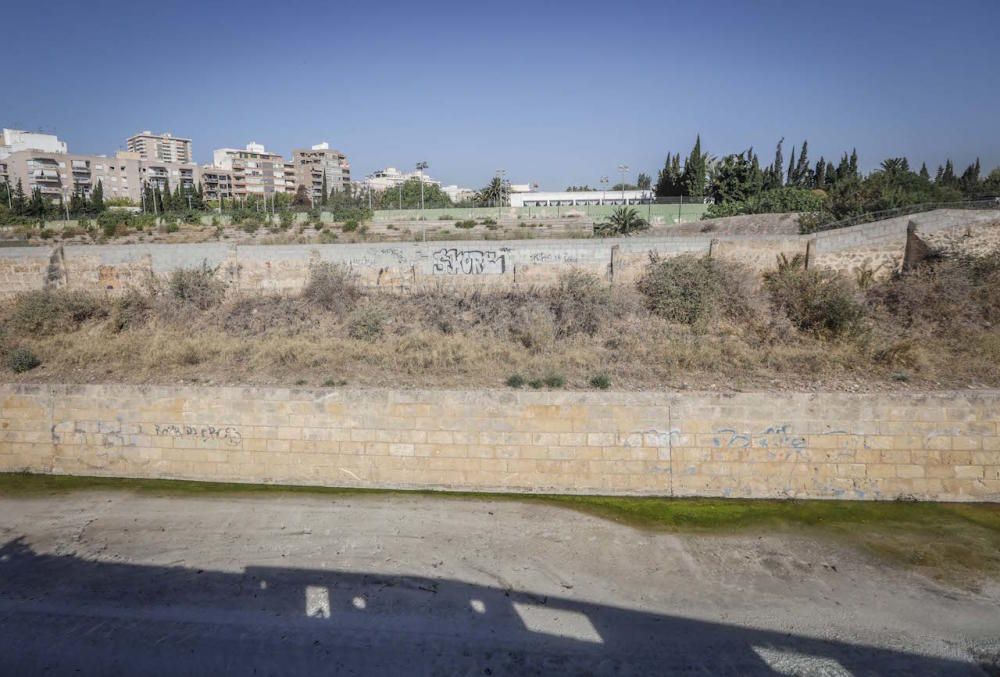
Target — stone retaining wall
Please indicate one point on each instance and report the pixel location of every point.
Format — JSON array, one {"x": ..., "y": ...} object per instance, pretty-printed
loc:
[
  {"x": 937, "y": 446},
  {"x": 404, "y": 265}
]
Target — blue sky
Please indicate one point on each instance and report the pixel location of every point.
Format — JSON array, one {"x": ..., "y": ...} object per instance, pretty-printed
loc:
[{"x": 555, "y": 92}]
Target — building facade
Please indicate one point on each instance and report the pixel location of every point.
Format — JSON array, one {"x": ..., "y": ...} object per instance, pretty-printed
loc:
[
  {"x": 160, "y": 147},
  {"x": 255, "y": 171},
  {"x": 15, "y": 140},
  {"x": 580, "y": 198},
  {"x": 390, "y": 177},
  {"x": 312, "y": 164}
]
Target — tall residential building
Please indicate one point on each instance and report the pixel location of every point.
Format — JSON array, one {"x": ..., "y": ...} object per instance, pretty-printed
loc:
[
  {"x": 14, "y": 140},
  {"x": 319, "y": 160},
  {"x": 160, "y": 147},
  {"x": 255, "y": 171}
]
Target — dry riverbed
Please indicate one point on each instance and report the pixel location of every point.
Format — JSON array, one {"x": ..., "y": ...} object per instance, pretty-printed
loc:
[{"x": 156, "y": 578}]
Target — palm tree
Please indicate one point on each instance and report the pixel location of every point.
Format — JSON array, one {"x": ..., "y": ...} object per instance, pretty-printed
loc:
[
  {"x": 492, "y": 193},
  {"x": 623, "y": 221}
]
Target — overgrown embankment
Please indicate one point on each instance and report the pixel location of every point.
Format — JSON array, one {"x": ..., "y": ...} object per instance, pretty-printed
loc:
[{"x": 689, "y": 322}]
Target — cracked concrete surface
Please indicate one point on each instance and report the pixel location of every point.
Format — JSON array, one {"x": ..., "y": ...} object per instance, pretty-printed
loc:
[{"x": 119, "y": 583}]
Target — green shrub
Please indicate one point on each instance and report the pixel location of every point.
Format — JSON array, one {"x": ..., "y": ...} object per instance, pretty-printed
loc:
[
  {"x": 602, "y": 381},
  {"x": 489, "y": 221},
  {"x": 196, "y": 286},
  {"x": 775, "y": 201},
  {"x": 515, "y": 381},
  {"x": 820, "y": 302},
  {"x": 287, "y": 219},
  {"x": 468, "y": 223},
  {"x": 327, "y": 237},
  {"x": 20, "y": 360},
  {"x": 350, "y": 225},
  {"x": 52, "y": 311},
  {"x": 171, "y": 227},
  {"x": 555, "y": 381},
  {"x": 536, "y": 383},
  {"x": 333, "y": 382},
  {"x": 445, "y": 217}
]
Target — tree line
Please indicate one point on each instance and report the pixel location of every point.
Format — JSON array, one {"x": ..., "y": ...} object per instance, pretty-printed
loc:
[{"x": 739, "y": 183}]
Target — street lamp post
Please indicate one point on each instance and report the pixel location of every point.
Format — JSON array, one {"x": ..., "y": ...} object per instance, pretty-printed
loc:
[
  {"x": 421, "y": 166},
  {"x": 624, "y": 170},
  {"x": 604, "y": 190},
  {"x": 500, "y": 175}
]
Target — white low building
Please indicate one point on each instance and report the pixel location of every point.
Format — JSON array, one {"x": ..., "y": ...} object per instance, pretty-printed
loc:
[
  {"x": 580, "y": 198},
  {"x": 390, "y": 177}
]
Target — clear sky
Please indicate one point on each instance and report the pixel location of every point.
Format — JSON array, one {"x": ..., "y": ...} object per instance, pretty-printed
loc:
[{"x": 556, "y": 92}]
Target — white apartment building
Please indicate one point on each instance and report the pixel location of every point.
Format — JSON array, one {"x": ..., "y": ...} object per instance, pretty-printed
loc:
[
  {"x": 160, "y": 147},
  {"x": 390, "y": 177},
  {"x": 14, "y": 140}
]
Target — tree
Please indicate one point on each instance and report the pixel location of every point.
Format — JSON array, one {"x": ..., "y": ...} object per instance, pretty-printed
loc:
[
  {"x": 695, "y": 171},
  {"x": 20, "y": 203},
  {"x": 947, "y": 176},
  {"x": 791, "y": 169},
  {"x": 301, "y": 198},
  {"x": 36, "y": 207},
  {"x": 622, "y": 221},
  {"x": 97, "y": 198},
  {"x": 492, "y": 194},
  {"x": 775, "y": 175},
  {"x": 668, "y": 182},
  {"x": 166, "y": 203},
  {"x": 324, "y": 198},
  {"x": 819, "y": 174},
  {"x": 644, "y": 182},
  {"x": 924, "y": 174},
  {"x": 78, "y": 203},
  {"x": 736, "y": 178}
]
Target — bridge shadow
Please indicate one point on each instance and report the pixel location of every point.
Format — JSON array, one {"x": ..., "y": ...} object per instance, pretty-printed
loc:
[{"x": 63, "y": 614}]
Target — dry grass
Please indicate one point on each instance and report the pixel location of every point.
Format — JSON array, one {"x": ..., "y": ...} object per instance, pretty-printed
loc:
[{"x": 913, "y": 334}]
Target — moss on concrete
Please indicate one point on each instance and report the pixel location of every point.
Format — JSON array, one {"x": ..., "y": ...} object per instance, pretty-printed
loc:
[{"x": 958, "y": 543}]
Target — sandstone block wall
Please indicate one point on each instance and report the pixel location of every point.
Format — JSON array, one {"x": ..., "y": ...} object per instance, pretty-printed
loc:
[{"x": 938, "y": 446}]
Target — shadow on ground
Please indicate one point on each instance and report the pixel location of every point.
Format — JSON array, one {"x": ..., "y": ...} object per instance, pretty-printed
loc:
[{"x": 63, "y": 614}]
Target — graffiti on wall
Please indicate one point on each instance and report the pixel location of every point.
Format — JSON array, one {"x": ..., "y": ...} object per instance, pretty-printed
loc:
[
  {"x": 230, "y": 435},
  {"x": 450, "y": 261}
]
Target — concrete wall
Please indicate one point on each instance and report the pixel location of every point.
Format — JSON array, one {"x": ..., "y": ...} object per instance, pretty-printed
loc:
[
  {"x": 938, "y": 446},
  {"x": 402, "y": 265}
]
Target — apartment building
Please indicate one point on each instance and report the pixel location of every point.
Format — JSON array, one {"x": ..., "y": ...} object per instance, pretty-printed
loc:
[
  {"x": 14, "y": 140},
  {"x": 255, "y": 171},
  {"x": 160, "y": 147},
  {"x": 121, "y": 176},
  {"x": 216, "y": 182},
  {"x": 313, "y": 163}
]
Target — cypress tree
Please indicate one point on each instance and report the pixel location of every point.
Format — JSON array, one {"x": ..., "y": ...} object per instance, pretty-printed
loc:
[
  {"x": 802, "y": 178},
  {"x": 776, "y": 172},
  {"x": 693, "y": 180},
  {"x": 819, "y": 174},
  {"x": 20, "y": 202},
  {"x": 831, "y": 174},
  {"x": 324, "y": 198},
  {"x": 853, "y": 165},
  {"x": 792, "y": 166},
  {"x": 97, "y": 198},
  {"x": 924, "y": 174}
]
